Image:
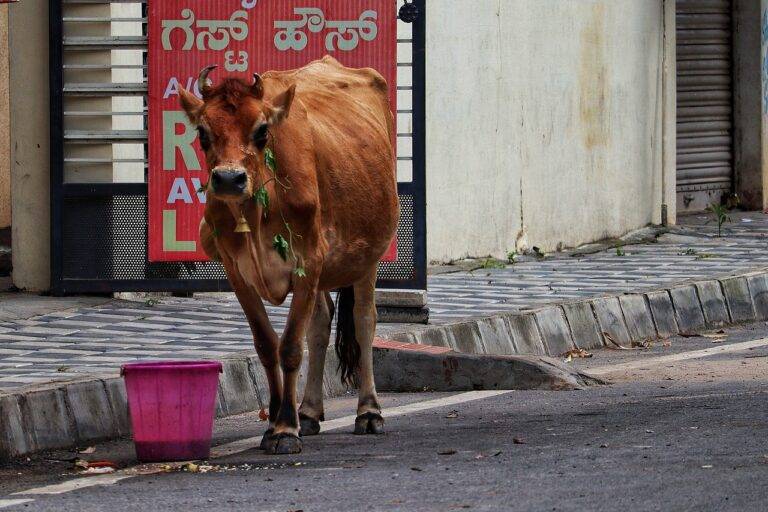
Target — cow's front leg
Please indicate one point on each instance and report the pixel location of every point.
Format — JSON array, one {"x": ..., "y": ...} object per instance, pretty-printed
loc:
[
  {"x": 265, "y": 341},
  {"x": 286, "y": 434}
]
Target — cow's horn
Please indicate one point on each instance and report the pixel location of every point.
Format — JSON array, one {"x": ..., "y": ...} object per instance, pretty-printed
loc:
[
  {"x": 257, "y": 88},
  {"x": 202, "y": 80}
]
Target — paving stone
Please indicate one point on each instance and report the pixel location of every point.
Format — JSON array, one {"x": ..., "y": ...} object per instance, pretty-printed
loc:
[
  {"x": 713, "y": 303},
  {"x": 611, "y": 319},
  {"x": 637, "y": 317},
  {"x": 663, "y": 313},
  {"x": 14, "y": 438},
  {"x": 758, "y": 289},
  {"x": 688, "y": 312},
  {"x": 46, "y": 416},
  {"x": 91, "y": 411},
  {"x": 525, "y": 334},
  {"x": 465, "y": 337},
  {"x": 554, "y": 331},
  {"x": 584, "y": 327},
  {"x": 118, "y": 402},
  {"x": 433, "y": 336},
  {"x": 496, "y": 337},
  {"x": 237, "y": 391},
  {"x": 739, "y": 300}
]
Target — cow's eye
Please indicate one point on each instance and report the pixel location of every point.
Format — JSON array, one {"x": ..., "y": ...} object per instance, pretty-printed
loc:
[
  {"x": 205, "y": 139},
  {"x": 260, "y": 136}
]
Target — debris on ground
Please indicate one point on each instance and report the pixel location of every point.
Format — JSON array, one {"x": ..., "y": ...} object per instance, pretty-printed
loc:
[
  {"x": 517, "y": 440},
  {"x": 99, "y": 467},
  {"x": 613, "y": 344},
  {"x": 447, "y": 452},
  {"x": 576, "y": 353},
  {"x": 263, "y": 415},
  {"x": 87, "y": 451},
  {"x": 452, "y": 414}
]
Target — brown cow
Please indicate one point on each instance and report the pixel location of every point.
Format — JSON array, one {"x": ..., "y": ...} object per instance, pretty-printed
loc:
[{"x": 302, "y": 198}]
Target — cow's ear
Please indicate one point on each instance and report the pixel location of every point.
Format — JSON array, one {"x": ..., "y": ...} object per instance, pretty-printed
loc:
[
  {"x": 281, "y": 105},
  {"x": 192, "y": 105}
]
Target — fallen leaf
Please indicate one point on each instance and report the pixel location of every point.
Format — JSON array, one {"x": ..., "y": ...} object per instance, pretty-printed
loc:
[
  {"x": 263, "y": 415},
  {"x": 192, "y": 467},
  {"x": 452, "y": 414},
  {"x": 690, "y": 335},
  {"x": 716, "y": 336},
  {"x": 497, "y": 453},
  {"x": 642, "y": 344},
  {"x": 447, "y": 452},
  {"x": 98, "y": 471},
  {"x": 616, "y": 344},
  {"x": 576, "y": 353},
  {"x": 517, "y": 440}
]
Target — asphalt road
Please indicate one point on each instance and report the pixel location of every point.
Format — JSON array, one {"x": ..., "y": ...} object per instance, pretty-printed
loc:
[{"x": 684, "y": 434}]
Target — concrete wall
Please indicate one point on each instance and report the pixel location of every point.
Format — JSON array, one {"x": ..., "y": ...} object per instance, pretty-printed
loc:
[
  {"x": 544, "y": 122},
  {"x": 5, "y": 157},
  {"x": 29, "y": 144}
]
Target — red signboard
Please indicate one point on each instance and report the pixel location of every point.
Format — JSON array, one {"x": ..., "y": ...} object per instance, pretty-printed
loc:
[{"x": 241, "y": 37}]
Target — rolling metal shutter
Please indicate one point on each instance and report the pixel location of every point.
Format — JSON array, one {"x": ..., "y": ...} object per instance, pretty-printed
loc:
[{"x": 704, "y": 100}]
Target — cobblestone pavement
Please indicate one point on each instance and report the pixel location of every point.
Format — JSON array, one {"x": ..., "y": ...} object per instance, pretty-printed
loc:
[{"x": 99, "y": 337}]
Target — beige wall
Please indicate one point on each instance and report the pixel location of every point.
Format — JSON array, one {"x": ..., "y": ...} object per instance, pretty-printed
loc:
[
  {"x": 29, "y": 144},
  {"x": 5, "y": 157},
  {"x": 544, "y": 123}
]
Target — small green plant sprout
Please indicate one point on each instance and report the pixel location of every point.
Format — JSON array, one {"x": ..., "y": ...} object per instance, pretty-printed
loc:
[
  {"x": 620, "y": 251},
  {"x": 721, "y": 216},
  {"x": 688, "y": 252},
  {"x": 512, "y": 257},
  {"x": 491, "y": 263},
  {"x": 152, "y": 302}
]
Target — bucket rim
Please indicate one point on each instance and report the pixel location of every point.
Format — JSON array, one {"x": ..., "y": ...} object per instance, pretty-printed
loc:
[{"x": 170, "y": 366}]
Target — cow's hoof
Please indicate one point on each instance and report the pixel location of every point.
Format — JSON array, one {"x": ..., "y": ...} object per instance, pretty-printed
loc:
[
  {"x": 265, "y": 438},
  {"x": 283, "y": 444},
  {"x": 309, "y": 426},
  {"x": 369, "y": 423}
]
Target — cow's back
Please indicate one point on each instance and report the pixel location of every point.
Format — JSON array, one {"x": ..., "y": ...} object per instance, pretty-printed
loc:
[{"x": 352, "y": 127}]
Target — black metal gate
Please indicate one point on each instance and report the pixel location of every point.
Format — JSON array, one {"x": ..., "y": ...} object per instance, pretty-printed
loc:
[{"x": 99, "y": 226}]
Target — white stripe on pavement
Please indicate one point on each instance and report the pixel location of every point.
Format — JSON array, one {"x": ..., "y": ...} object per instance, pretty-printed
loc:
[
  {"x": 10, "y": 503},
  {"x": 252, "y": 442},
  {"x": 683, "y": 356},
  {"x": 75, "y": 484}
]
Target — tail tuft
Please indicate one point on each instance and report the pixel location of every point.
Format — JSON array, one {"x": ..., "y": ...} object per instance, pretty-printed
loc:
[{"x": 347, "y": 347}]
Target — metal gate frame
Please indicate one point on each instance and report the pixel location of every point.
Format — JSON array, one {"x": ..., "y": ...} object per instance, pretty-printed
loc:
[{"x": 95, "y": 244}]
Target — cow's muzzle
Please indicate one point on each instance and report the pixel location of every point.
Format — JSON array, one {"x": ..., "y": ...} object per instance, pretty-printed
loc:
[{"x": 229, "y": 182}]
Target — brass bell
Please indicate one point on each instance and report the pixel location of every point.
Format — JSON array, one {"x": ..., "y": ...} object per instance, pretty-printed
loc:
[{"x": 242, "y": 225}]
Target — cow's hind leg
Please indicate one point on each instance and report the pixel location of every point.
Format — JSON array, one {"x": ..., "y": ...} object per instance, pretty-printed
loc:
[
  {"x": 318, "y": 337},
  {"x": 369, "y": 419}
]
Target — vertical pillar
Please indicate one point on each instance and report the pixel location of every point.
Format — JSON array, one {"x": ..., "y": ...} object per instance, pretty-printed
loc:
[
  {"x": 764, "y": 110},
  {"x": 5, "y": 148},
  {"x": 30, "y": 121},
  {"x": 669, "y": 121}
]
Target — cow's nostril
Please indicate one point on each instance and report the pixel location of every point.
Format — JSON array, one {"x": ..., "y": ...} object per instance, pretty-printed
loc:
[
  {"x": 216, "y": 179},
  {"x": 241, "y": 179}
]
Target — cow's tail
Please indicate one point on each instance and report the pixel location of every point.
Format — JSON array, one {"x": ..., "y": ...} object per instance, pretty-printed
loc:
[{"x": 347, "y": 346}]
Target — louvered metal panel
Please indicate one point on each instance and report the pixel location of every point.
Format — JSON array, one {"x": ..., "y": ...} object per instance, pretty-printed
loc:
[{"x": 704, "y": 101}]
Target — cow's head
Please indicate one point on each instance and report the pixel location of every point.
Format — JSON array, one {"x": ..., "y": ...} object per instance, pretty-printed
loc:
[{"x": 234, "y": 122}]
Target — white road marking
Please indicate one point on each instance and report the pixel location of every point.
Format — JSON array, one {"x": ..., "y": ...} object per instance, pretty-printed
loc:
[
  {"x": 253, "y": 442},
  {"x": 683, "y": 356},
  {"x": 348, "y": 421},
  {"x": 11, "y": 503},
  {"x": 75, "y": 484}
]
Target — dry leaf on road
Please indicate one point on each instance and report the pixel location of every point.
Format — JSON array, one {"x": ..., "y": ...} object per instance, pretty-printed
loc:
[{"x": 576, "y": 353}]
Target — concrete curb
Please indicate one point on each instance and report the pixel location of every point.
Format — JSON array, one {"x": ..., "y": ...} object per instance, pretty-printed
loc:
[
  {"x": 93, "y": 408},
  {"x": 685, "y": 307}
]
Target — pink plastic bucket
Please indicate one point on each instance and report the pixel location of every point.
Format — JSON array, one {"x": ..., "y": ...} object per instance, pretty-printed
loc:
[{"x": 172, "y": 406}]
